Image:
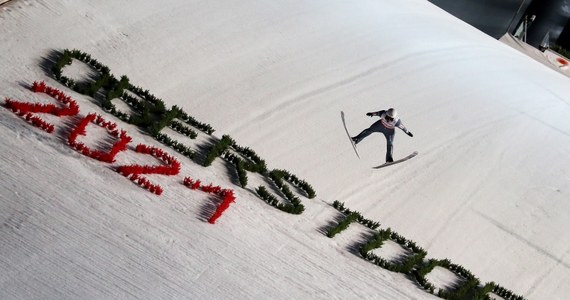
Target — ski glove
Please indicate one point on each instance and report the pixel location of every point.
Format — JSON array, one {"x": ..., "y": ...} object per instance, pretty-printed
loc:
[
  {"x": 410, "y": 133},
  {"x": 370, "y": 114}
]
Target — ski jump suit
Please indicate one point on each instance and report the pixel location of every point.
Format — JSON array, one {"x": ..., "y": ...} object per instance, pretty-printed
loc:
[{"x": 387, "y": 128}]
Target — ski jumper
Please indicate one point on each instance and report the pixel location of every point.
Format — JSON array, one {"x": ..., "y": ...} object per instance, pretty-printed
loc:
[{"x": 387, "y": 128}]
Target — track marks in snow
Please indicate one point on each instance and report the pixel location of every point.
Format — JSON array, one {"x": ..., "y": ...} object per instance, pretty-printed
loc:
[
  {"x": 302, "y": 99},
  {"x": 522, "y": 239}
]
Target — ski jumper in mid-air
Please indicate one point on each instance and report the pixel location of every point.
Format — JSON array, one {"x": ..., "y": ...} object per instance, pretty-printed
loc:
[{"x": 386, "y": 125}]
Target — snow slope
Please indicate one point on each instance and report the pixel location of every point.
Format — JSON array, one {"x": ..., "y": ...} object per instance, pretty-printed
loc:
[{"x": 489, "y": 189}]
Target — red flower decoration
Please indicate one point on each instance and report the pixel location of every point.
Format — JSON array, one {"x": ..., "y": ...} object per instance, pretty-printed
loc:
[
  {"x": 226, "y": 194},
  {"x": 26, "y": 109},
  {"x": 133, "y": 172},
  {"x": 108, "y": 156}
]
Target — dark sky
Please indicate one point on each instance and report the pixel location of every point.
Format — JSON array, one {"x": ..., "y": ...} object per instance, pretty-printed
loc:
[{"x": 490, "y": 16}]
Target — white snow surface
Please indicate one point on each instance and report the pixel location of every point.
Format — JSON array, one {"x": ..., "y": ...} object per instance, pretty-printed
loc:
[{"x": 489, "y": 189}]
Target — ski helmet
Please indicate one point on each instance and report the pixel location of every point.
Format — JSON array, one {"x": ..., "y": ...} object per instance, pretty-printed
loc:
[{"x": 392, "y": 113}]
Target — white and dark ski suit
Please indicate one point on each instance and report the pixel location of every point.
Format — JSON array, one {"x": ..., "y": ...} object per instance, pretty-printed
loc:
[{"x": 387, "y": 128}]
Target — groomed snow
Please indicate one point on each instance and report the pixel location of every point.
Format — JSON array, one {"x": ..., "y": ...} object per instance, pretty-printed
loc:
[{"x": 489, "y": 189}]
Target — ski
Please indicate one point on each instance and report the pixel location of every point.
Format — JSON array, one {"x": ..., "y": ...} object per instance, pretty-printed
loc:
[
  {"x": 397, "y": 161},
  {"x": 347, "y": 133}
]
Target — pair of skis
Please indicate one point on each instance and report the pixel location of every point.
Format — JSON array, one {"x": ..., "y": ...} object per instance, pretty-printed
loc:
[{"x": 356, "y": 151}]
